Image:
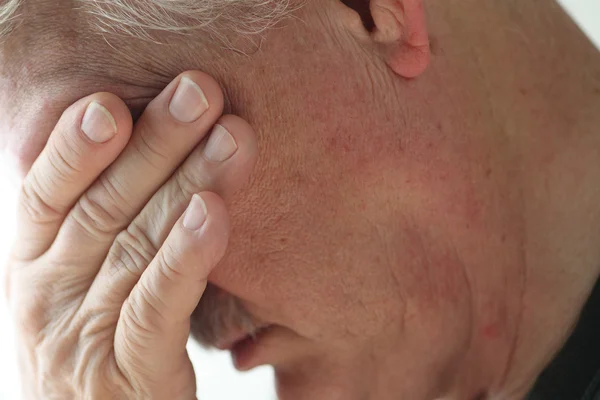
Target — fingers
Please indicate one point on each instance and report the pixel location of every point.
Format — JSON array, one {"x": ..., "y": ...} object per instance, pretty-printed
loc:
[
  {"x": 153, "y": 327},
  {"x": 134, "y": 248},
  {"x": 87, "y": 139},
  {"x": 171, "y": 126}
]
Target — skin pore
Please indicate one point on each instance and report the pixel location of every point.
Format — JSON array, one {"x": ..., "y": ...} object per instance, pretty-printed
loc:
[{"x": 419, "y": 239}]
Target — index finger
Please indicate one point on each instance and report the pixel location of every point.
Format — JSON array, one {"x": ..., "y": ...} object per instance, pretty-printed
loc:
[
  {"x": 86, "y": 140},
  {"x": 154, "y": 322}
]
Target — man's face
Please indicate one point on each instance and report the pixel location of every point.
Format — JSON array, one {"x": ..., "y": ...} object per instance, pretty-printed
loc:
[{"x": 356, "y": 241}]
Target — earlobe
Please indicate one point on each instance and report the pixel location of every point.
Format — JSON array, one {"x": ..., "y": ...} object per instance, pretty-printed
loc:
[{"x": 401, "y": 30}]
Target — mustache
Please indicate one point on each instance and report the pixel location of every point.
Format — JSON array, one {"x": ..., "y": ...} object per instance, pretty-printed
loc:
[{"x": 217, "y": 314}]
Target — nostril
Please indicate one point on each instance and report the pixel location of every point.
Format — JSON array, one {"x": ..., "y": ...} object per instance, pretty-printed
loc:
[{"x": 481, "y": 396}]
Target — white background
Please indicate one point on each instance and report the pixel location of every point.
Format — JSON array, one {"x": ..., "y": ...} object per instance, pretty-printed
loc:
[{"x": 217, "y": 380}]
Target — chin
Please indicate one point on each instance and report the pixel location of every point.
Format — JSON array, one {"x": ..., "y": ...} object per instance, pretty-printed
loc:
[
  {"x": 301, "y": 387},
  {"x": 314, "y": 380}
]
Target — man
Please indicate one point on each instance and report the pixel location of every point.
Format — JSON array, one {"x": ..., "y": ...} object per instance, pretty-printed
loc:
[{"x": 422, "y": 222}]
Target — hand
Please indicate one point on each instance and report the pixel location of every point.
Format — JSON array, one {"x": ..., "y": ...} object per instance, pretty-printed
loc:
[{"x": 106, "y": 270}]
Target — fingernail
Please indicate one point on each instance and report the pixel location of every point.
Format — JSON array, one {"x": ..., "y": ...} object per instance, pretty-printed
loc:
[
  {"x": 221, "y": 145},
  {"x": 98, "y": 124},
  {"x": 188, "y": 103},
  {"x": 195, "y": 215}
]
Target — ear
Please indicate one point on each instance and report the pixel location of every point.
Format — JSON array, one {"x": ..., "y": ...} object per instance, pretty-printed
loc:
[{"x": 400, "y": 30}]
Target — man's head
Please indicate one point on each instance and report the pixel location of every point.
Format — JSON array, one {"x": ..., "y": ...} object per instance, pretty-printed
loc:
[{"x": 386, "y": 236}]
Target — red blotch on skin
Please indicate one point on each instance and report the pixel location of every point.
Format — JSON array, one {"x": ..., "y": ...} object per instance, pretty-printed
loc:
[
  {"x": 490, "y": 331},
  {"x": 473, "y": 208}
]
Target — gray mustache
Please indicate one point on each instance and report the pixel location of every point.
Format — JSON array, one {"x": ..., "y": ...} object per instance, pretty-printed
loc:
[{"x": 217, "y": 314}]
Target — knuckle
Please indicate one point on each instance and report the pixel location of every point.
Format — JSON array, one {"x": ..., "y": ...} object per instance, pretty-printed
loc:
[
  {"x": 66, "y": 160},
  {"x": 45, "y": 313},
  {"x": 191, "y": 180},
  {"x": 139, "y": 325},
  {"x": 131, "y": 252},
  {"x": 33, "y": 204},
  {"x": 151, "y": 146},
  {"x": 29, "y": 306},
  {"x": 29, "y": 317},
  {"x": 175, "y": 265},
  {"x": 101, "y": 218},
  {"x": 170, "y": 264}
]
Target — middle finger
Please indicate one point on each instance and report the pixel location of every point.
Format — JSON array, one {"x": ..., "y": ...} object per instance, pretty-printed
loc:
[
  {"x": 135, "y": 247},
  {"x": 172, "y": 125}
]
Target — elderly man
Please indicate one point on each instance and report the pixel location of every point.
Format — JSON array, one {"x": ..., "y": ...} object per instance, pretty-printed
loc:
[{"x": 422, "y": 222}]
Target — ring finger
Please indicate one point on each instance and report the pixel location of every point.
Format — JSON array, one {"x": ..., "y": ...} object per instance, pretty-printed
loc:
[
  {"x": 205, "y": 170},
  {"x": 171, "y": 126}
]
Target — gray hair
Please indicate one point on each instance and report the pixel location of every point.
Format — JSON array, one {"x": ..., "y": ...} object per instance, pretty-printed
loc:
[
  {"x": 141, "y": 18},
  {"x": 8, "y": 16}
]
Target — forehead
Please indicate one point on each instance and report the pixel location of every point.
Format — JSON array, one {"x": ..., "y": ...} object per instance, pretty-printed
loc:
[
  {"x": 57, "y": 61},
  {"x": 54, "y": 42},
  {"x": 45, "y": 68},
  {"x": 39, "y": 47}
]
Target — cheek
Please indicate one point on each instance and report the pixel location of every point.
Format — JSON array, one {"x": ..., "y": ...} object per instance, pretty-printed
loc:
[
  {"x": 278, "y": 260},
  {"x": 293, "y": 260}
]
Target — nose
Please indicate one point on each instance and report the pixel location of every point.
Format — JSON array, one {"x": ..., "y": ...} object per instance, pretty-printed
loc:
[
  {"x": 19, "y": 155},
  {"x": 23, "y": 135}
]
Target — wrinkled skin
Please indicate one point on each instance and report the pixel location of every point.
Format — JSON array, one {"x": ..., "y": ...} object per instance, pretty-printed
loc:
[
  {"x": 409, "y": 238},
  {"x": 106, "y": 271}
]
